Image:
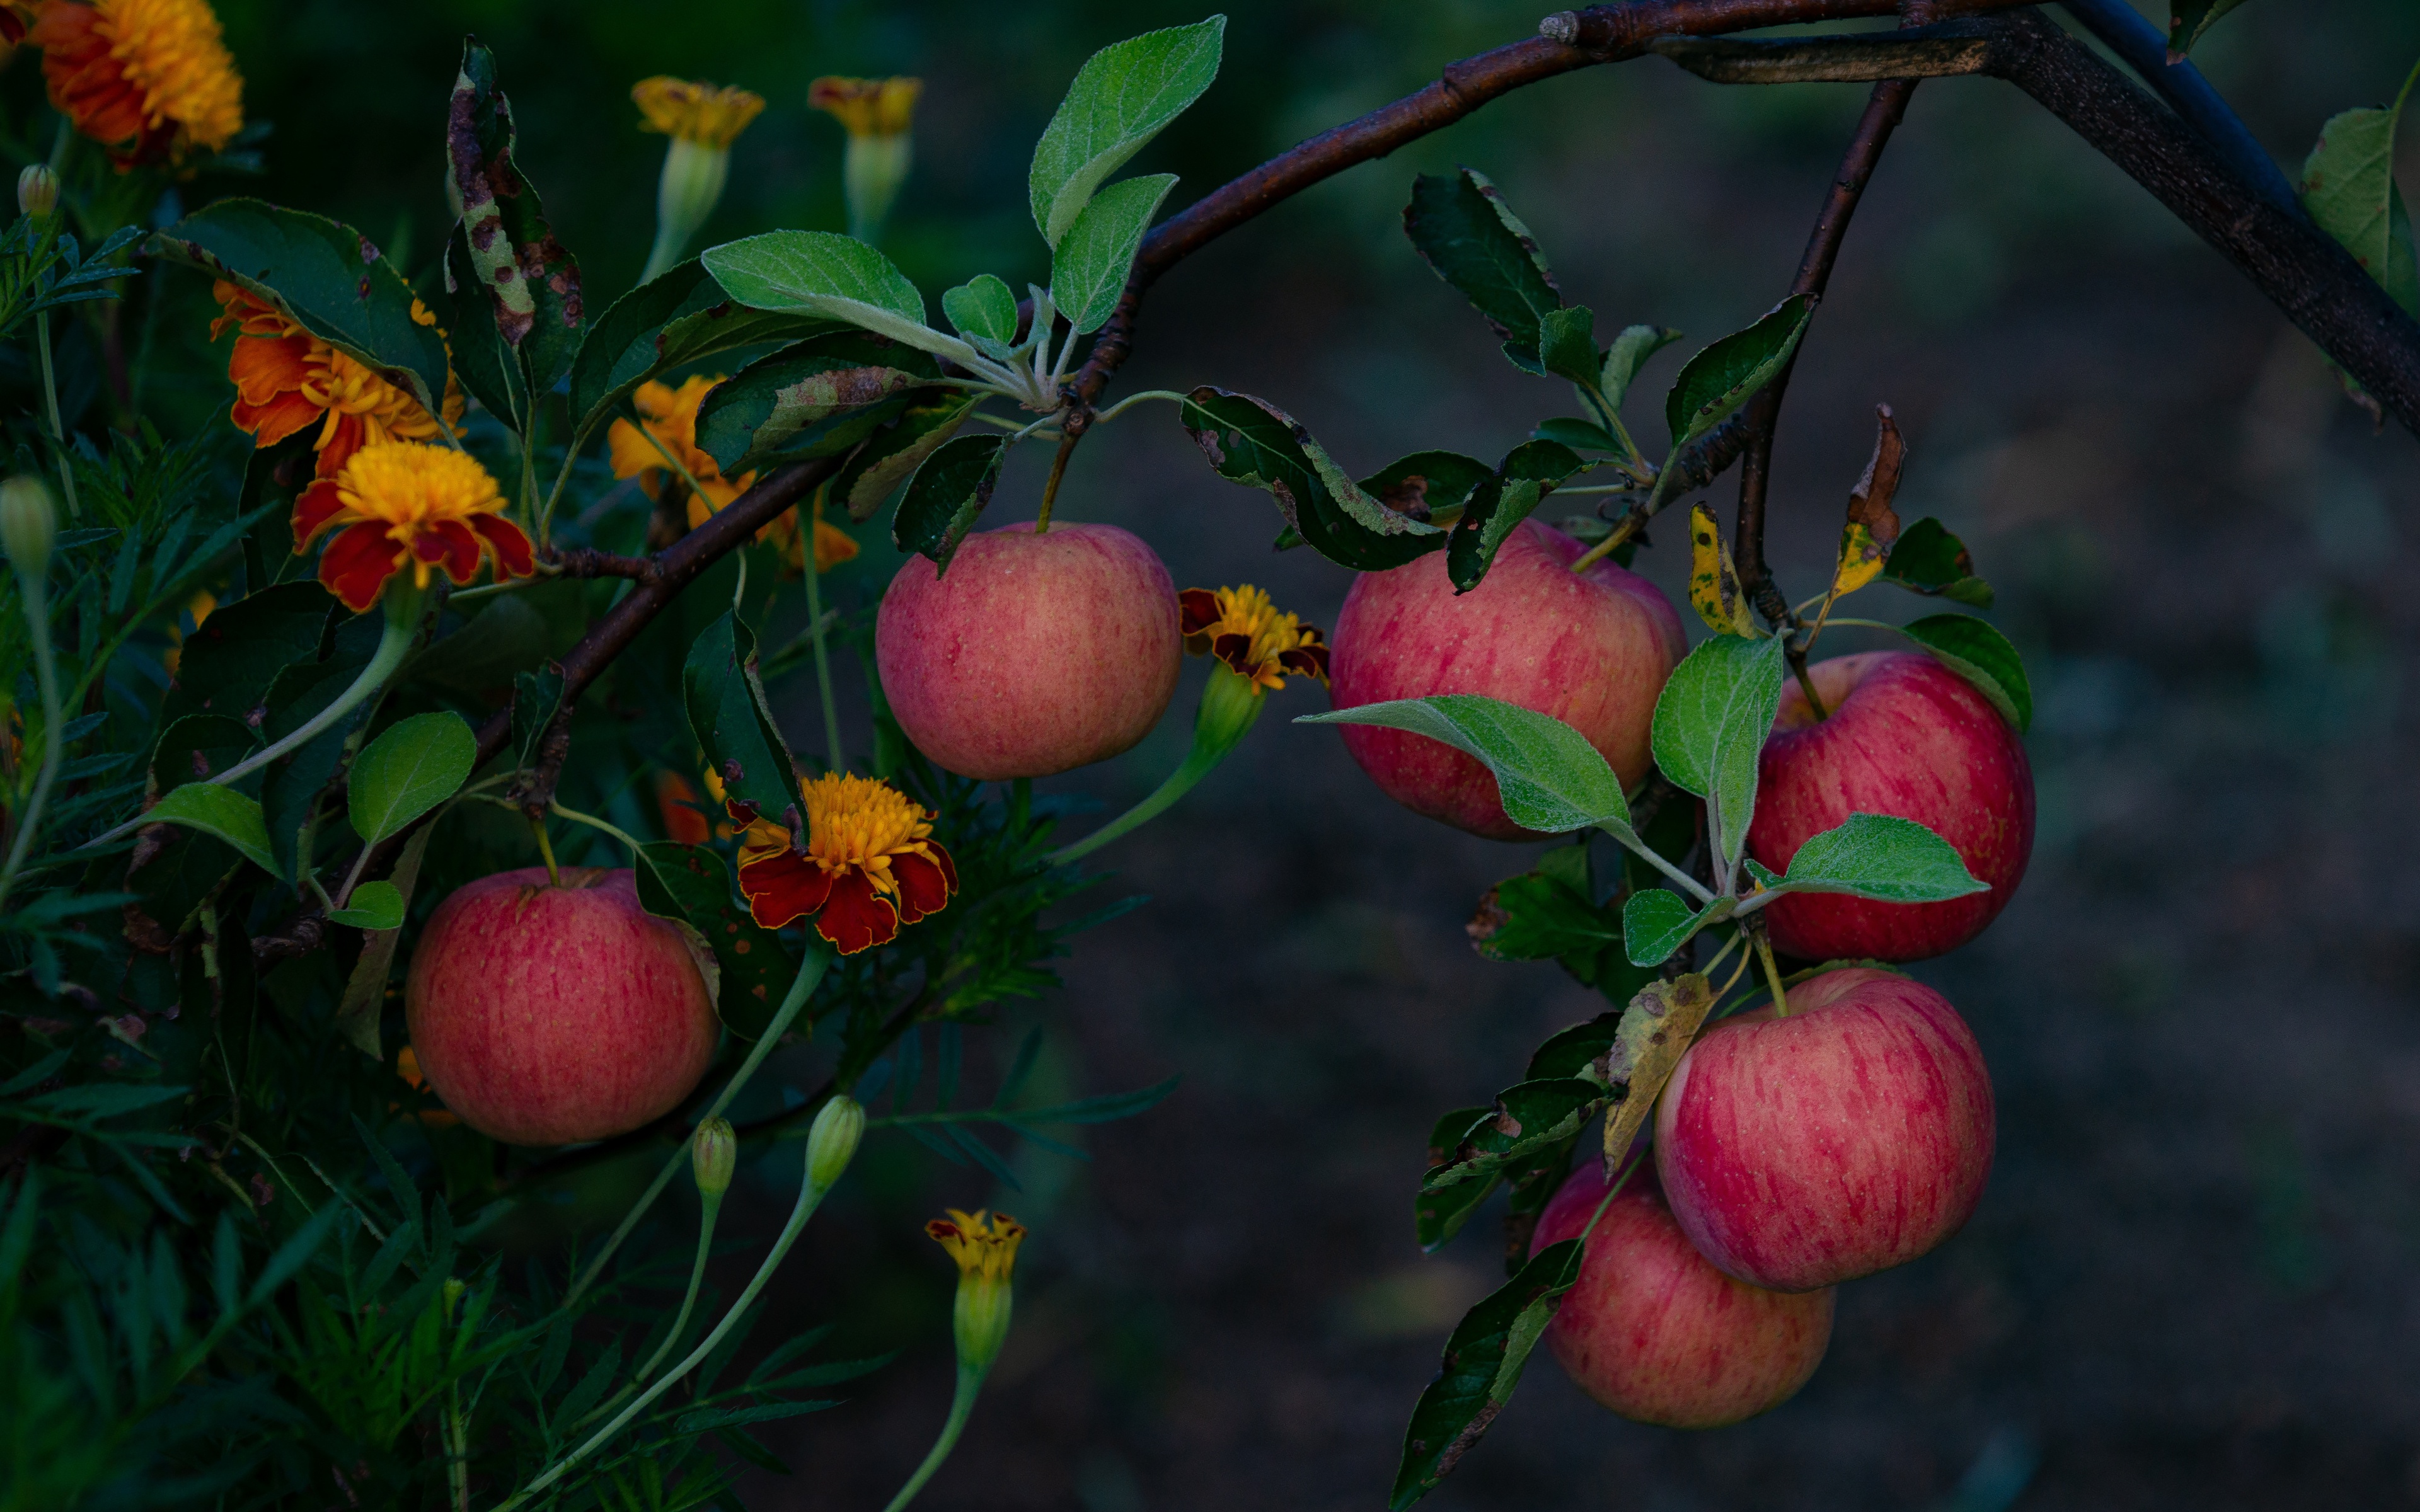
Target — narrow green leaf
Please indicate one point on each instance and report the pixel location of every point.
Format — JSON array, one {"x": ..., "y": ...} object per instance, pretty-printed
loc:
[
  {"x": 1627, "y": 355},
  {"x": 531, "y": 279},
  {"x": 1252, "y": 442},
  {"x": 1876, "y": 856},
  {"x": 947, "y": 495},
  {"x": 411, "y": 767},
  {"x": 1125, "y": 95},
  {"x": 222, "y": 813},
  {"x": 1977, "y": 651},
  {"x": 103, "y": 1100},
  {"x": 1710, "y": 724},
  {"x": 893, "y": 453},
  {"x": 374, "y": 905},
  {"x": 1461, "y": 226},
  {"x": 1549, "y": 777},
  {"x": 1482, "y": 1363},
  {"x": 1087, "y": 270},
  {"x": 357, "y": 1013},
  {"x": 1725, "y": 376},
  {"x": 829, "y": 276}
]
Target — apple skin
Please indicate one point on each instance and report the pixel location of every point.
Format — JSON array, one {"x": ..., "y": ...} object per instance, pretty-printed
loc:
[
  {"x": 1592, "y": 649},
  {"x": 1033, "y": 654},
  {"x": 1907, "y": 737},
  {"x": 1654, "y": 1334},
  {"x": 1851, "y": 1136},
  {"x": 548, "y": 1015}
]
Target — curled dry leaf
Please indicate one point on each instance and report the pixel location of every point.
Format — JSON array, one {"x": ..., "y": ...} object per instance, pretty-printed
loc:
[
  {"x": 1656, "y": 1030},
  {"x": 1873, "y": 526}
]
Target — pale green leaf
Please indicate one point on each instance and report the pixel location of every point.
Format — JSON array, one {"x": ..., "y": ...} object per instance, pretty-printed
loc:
[
  {"x": 222, "y": 811},
  {"x": 411, "y": 768},
  {"x": 1877, "y": 856},
  {"x": 1125, "y": 95},
  {"x": 1549, "y": 777},
  {"x": 831, "y": 276},
  {"x": 1711, "y": 723},
  {"x": 1087, "y": 272}
]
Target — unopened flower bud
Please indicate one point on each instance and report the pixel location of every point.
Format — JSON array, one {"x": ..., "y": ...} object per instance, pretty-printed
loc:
[
  {"x": 28, "y": 523},
  {"x": 702, "y": 121},
  {"x": 833, "y": 1142},
  {"x": 879, "y": 114},
  {"x": 984, "y": 1246},
  {"x": 713, "y": 1155},
  {"x": 38, "y": 190},
  {"x": 1231, "y": 703}
]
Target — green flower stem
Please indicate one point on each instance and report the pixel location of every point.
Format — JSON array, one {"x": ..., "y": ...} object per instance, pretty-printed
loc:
[
  {"x": 1231, "y": 703},
  {"x": 38, "y": 623},
  {"x": 712, "y": 1206},
  {"x": 811, "y": 1194},
  {"x": 594, "y": 822},
  {"x": 51, "y": 402},
  {"x": 823, "y": 651},
  {"x": 802, "y": 986},
  {"x": 962, "y": 1406}
]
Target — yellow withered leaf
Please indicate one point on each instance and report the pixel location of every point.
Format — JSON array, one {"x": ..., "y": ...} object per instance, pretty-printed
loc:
[
  {"x": 1874, "y": 525},
  {"x": 1655, "y": 1031},
  {"x": 1715, "y": 589}
]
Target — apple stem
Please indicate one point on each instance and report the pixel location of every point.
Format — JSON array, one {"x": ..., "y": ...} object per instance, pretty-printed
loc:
[
  {"x": 1772, "y": 975},
  {"x": 1058, "y": 471},
  {"x": 1807, "y": 686},
  {"x": 546, "y": 849}
]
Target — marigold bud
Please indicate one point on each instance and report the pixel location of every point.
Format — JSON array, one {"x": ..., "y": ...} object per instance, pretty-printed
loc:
[
  {"x": 713, "y": 1155},
  {"x": 28, "y": 523},
  {"x": 879, "y": 114},
  {"x": 831, "y": 1144},
  {"x": 984, "y": 1246},
  {"x": 38, "y": 190}
]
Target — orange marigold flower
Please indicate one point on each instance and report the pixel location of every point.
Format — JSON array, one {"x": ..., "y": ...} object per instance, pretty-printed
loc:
[
  {"x": 669, "y": 416},
  {"x": 287, "y": 379},
  {"x": 868, "y": 866},
  {"x": 833, "y": 546},
  {"x": 686, "y": 816},
  {"x": 407, "y": 502},
  {"x": 148, "y": 79},
  {"x": 1243, "y": 628},
  {"x": 694, "y": 110}
]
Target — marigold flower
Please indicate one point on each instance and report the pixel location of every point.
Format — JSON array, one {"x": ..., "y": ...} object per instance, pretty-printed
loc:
[
  {"x": 148, "y": 79},
  {"x": 868, "y": 107},
  {"x": 670, "y": 416},
  {"x": 685, "y": 815},
  {"x": 868, "y": 865},
  {"x": 694, "y": 110},
  {"x": 287, "y": 379},
  {"x": 984, "y": 1245},
  {"x": 407, "y": 502},
  {"x": 1243, "y": 628},
  {"x": 833, "y": 546},
  {"x": 877, "y": 114}
]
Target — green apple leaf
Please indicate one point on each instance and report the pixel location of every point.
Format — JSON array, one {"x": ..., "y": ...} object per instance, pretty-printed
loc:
[
  {"x": 1482, "y": 1363},
  {"x": 814, "y": 398},
  {"x": 1656, "y": 922},
  {"x": 1580, "y": 435},
  {"x": 1460, "y": 224},
  {"x": 222, "y": 813},
  {"x": 1725, "y": 376},
  {"x": 897, "y": 448},
  {"x": 364, "y": 998},
  {"x": 2349, "y": 186},
  {"x": 1437, "y": 1216},
  {"x": 1549, "y": 777},
  {"x": 676, "y": 318},
  {"x": 947, "y": 494},
  {"x": 1536, "y": 916},
  {"x": 1087, "y": 270},
  {"x": 1125, "y": 95},
  {"x": 373, "y": 905},
  {"x": 688, "y": 883},
  {"x": 1977, "y": 651},
  {"x": 1567, "y": 343},
  {"x": 1710, "y": 724},
  {"x": 531, "y": 280},
  {"x": 728, "y": 714},
  {"x": 2189, "y": 20},
  {"x": 1429, "y": 487},
  {"x": 1253, "y": 442},
  {"x": 225, "y": 666},
  {"x": 413, "y": 767},
  {"x": 830, "y": 277},
  {"x": 1627, "y": 355},
  {"x": 984, "y": 310},
  {"x": 1927, "y": 559},
  {"x": 1528, "y": 473},
  {"x": 1877, "y": 856}
]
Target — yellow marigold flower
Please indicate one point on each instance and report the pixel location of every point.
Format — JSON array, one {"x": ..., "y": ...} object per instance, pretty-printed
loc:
[
  {"x": 670, "y": 416},
  {"x": 868, "y": 107},
  {"x": 984, "y": 1245},
  {"x": 407, "y": 502},
  {"x": 869, "y": 864},
  {"x": 1243, "y": 628},
  {"x": 287, "y": 379},
  {"x": 148, "y": 79},
  {"x": 694, "y": 110}
]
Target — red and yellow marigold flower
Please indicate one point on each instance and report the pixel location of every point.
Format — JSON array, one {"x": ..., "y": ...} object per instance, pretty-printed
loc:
[
  {"x": 397, "y": 504},
  {"x": 287, "y": 379},
  {"x": 983, "y": 1243},
  {"x": 151, "y": 80},
  {"x": 868, "y": 865},
  {"x": 693, "y": 111},
  {"x": 1243, "y": 628}
]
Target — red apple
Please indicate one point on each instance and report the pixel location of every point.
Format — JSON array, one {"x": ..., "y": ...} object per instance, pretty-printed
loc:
[
  {"x": 1908, "y": 737},
  {"x": 1853, "y": 1135},
  {"x": 1035, "y": 653},
  {"x": 1654, "y": 1333},
  {"x": 1590, "y": 648},
  {"x": 548, "y": 1015}
]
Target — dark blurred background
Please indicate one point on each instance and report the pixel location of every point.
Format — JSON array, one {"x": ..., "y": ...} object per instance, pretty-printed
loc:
[{"x": 2191, "y": 1283}]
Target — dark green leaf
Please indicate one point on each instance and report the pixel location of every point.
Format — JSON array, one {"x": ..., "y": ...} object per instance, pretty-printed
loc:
[
  {"x": 225, "y": 666},
  {"x": 1438, "y": 1215},
  {"x": 1928, "y": 560},
  {"x": 1627, "y": 355},
  {"x": 1567, "y": 345},
  {"x": 947, "y": 494},
  {"x": 1656, "y": 922},
  {"x": 222, "y": 813},
  {"x": 723, "y": 1417},
  {"x": 1107, "y": 1107},
  {"x": 2349, "y": 187},
  {"x": 1430, "y": 487},
  {"x": 197, "y": 745},
  {"x": 536, "y": 697},
  {"x": 1725, "y": 376},
  {"x": 1580, "y": 435},
  {"x": 1254, "y": 443},
  {"x": 811, "y": 399},
  {"x": 1876, "y": 856},
  {"x": 374, "y": 905},
  {"x": 688, "y": 883},
  {"x": 1575, "y": 1051},
  {"x": 326, "y": 275},
  {"x": 893, "y": 453},
  {"x": 532, "y": 281},
  {"x": 1482, "y": 1363},
  {"x": 413, "y": 767},
  {"x": 1550, "y": 778},
  {"x": 1536, "y": 918},
  {"x": 1087, "y": 270},
  {"x": 1125, "y": 95},
  {"x": 1976, "y": 651},
  {"x": 1461, "y": 225},
  {"x": 2188, "y": 20},
  {"x": 103, "y": 1100},
  {"x": 1528, "y": 473},
  {"x": 1710, "y": 724},
  {"x": 1528, "y": 1116},
  {"x": 679, "y": 318},
  {"x": 728, "y": 713},
  {"x": 357, "y": 1011}
]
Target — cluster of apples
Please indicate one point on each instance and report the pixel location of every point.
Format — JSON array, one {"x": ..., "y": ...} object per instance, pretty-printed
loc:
[{"x": 1790, "y": 1154}]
